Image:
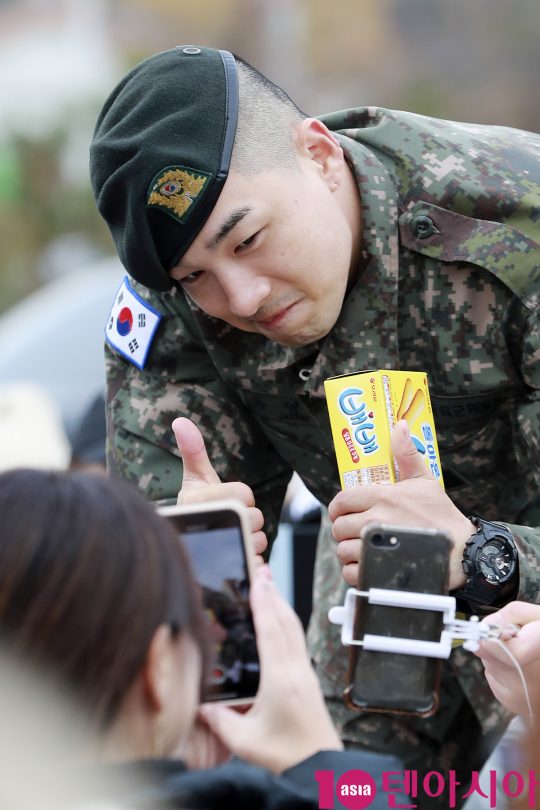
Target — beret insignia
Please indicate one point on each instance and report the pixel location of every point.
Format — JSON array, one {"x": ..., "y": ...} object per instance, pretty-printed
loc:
[{"x": 176, "y": 190}]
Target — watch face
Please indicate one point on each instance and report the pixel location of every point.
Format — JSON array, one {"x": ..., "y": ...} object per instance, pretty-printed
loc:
[{"x": 496, "y": 561}]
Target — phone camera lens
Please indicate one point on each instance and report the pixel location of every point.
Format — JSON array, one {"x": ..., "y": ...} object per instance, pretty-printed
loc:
[{"x": 377, "y": 539}]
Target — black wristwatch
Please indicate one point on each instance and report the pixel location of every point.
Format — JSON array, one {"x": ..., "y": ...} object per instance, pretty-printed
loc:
[{"x": 490, "y": 563}]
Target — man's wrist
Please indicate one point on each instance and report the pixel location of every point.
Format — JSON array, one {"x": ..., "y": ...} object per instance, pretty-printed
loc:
[{"x": 458, "y": 578}]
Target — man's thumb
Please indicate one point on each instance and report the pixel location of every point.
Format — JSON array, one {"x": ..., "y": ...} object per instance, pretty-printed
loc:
[
  {"x": 197, "y": 466},
  {"x": 407, "y": 455}
]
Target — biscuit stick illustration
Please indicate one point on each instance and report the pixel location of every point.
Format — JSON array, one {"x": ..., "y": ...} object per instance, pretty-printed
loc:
[
  {"x": 415, "y": 408},
  {"x": 406, "y": 398}
]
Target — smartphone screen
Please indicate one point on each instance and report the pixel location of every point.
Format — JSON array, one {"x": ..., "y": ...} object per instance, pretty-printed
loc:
[
  {"x": 215, "y": 540},
  {"x": 403, "y": 560}
]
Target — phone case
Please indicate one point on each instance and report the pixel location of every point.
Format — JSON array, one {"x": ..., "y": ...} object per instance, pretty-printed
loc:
[
  {"x": 418, "y": 560},
  {"x": 215, "y": 535}
]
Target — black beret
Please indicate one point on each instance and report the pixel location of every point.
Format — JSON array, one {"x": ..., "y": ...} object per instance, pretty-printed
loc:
[{"x": 160, "y": 156}]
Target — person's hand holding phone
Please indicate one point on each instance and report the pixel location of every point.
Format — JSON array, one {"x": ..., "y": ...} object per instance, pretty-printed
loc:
[
  {"x": 501, "y": 673},
  {"x": 288, "y": 720},
  {"x": 201, "y": 483},
  {"x": 203, "y": 749},
  {"x": 417, "y": 500}
]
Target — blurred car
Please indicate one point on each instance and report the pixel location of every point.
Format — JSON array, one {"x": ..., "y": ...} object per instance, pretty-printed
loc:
[{"x": 54, "y": 338}]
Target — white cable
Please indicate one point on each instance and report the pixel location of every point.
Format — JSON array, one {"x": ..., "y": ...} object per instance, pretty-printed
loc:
[{"x": 521, "y": 675}]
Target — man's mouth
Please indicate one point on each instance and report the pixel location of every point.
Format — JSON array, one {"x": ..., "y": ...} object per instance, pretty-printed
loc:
[{"x": 275, "y": 320}]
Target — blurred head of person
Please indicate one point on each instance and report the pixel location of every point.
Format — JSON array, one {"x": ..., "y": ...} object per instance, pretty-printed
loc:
[
  {"x": 96, "y": 589},
  {"x": 27, "y": 411}
]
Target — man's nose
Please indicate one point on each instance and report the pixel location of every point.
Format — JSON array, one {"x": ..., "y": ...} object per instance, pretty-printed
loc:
[{"x": 245, "y": 290}]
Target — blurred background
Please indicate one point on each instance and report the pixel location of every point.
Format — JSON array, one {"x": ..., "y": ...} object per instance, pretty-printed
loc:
[{"x": 469, "y": 60}]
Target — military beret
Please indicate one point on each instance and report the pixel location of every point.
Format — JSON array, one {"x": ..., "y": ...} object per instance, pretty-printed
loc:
[{"x": 160, "y": 156}]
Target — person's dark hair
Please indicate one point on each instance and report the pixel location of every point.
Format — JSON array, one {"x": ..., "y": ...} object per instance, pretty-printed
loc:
[
  {"x": 263, "y": 137},
  {"x": 88, "y": 572}
]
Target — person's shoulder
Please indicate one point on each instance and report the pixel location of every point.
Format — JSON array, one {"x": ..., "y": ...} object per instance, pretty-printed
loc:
[
  {"x": 407, "y": 130},
  {"x": 143, "y": 324}
]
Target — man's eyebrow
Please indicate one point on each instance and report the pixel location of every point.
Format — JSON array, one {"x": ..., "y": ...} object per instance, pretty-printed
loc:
[{"x": 227, "y": 226}]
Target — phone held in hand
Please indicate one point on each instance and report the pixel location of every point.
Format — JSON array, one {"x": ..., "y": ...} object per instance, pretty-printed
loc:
[
  {"x": 215, "y": 536},
  {"x": 416, "y": 560}
]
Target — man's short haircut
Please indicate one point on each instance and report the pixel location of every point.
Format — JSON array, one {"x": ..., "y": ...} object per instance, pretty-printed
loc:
[{"x": 263, "y": 137}]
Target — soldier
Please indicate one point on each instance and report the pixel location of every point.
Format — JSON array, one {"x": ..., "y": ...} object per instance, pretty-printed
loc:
[{"x": 269, "y": 250}]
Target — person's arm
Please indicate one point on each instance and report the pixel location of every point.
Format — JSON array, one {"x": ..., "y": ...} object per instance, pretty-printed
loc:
[
  {"x": 179, "y": 379},
  {"x": 305, "y": 786}
]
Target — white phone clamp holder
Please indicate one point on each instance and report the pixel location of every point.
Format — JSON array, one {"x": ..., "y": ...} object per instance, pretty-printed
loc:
[{"x": 453, "y": 628}]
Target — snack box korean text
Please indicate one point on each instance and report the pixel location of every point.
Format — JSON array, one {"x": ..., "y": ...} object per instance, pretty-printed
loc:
[{"x": 364, "y": 409}]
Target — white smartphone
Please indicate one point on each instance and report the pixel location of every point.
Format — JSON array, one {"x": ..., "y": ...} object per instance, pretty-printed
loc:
[{"x": 215, "y": 536}]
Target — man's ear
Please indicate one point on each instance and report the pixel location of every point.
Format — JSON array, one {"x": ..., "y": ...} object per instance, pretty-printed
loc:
[
  {"x": 314, "y": 141},
  {"x": 157, "y": 668}
]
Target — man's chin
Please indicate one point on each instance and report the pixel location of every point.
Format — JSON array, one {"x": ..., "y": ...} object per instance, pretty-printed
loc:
[
  {"x": 297, "y": 340},
  {"x": 292, "y": 342}
]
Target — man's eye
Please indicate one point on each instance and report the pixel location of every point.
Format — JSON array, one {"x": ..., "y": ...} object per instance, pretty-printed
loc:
[
  {"x": 247, "y": 242},
  {"x": 191, "y": 277}
]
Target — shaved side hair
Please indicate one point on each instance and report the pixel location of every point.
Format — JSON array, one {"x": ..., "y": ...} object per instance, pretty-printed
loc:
[{"x": 266, "y": 116}]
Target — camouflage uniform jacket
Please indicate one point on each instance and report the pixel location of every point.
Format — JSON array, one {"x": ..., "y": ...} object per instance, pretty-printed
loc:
[{"x": 449, "y": 284}]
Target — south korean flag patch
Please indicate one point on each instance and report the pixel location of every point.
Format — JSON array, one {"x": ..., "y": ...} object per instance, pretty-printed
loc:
[{"x": 132, "y": 325}]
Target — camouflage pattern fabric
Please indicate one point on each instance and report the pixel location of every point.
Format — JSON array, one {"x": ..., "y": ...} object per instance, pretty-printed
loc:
[{"x": 449, "y": 284}]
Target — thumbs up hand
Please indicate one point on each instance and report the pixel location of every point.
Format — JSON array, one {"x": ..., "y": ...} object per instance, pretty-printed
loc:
[
  {"x": 198, "y": 471},
  {"x": 416, "y": 501},
  {"x": 201, "y": 483}
]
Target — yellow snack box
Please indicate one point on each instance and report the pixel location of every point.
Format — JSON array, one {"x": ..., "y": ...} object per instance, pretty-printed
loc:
[{"x": 363, "y": 410}]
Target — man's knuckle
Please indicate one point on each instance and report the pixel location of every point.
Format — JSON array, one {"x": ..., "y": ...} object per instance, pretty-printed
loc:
[
  {"x": 243, "y": 493},
  {"x": 339, "y": 529},
  {"x": 256, "y": 518}
]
